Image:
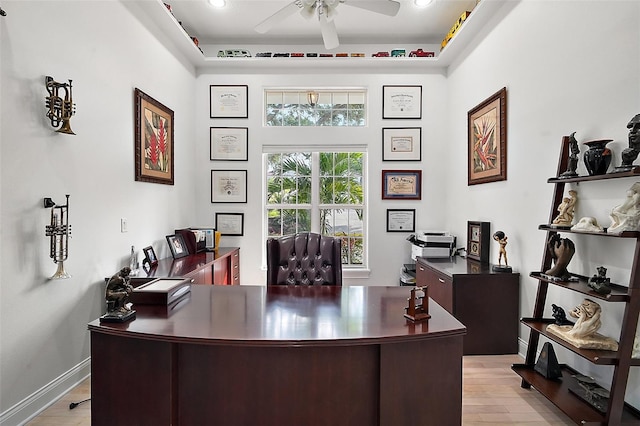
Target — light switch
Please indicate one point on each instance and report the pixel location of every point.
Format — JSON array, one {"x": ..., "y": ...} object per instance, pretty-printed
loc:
[{"x": 124, "y": 225}]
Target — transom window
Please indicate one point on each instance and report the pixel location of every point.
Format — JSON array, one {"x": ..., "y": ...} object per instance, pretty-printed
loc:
[
  {"x": 332, "y": 108},
  {"x": 319, "y": 192}
]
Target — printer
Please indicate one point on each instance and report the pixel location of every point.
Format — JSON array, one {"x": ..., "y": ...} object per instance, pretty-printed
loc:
[{"x": 432, "y": 244}]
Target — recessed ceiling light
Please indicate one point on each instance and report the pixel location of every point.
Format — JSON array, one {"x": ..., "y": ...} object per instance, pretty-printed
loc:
[
  {"x": 423, "y": 3},
  {"x": 217, "y": 3}
]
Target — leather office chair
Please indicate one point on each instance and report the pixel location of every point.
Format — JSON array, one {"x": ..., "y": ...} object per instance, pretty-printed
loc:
[{"x": 305, "y": 258}]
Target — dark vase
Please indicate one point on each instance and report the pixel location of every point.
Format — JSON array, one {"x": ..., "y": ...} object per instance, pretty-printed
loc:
[{"x": 598, "y": 157}]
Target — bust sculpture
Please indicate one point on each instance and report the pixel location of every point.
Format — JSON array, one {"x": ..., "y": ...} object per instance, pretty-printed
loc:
[
  {"x": 630, "y": 154},
  {"x": 583, "y": 334},
  {"x": 626, "y": 216}
]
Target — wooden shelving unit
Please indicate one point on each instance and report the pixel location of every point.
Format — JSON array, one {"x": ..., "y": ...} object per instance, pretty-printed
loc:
[{"x": 557, "y": 391}]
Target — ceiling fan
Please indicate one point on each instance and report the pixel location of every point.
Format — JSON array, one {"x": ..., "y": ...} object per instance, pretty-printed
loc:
[{"x": 325, "y": 10}]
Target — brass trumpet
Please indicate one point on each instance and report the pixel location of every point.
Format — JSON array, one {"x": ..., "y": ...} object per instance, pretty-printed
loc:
[
  {"x": 60, "y": 110},
  {"x": 58, "y": 230}
]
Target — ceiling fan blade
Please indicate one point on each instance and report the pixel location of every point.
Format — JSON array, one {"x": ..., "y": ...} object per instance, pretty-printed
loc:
[
  {"x": 329, "y": 33},
  {"x": 283, "y": 13},
  {"x": 385, "y": 7}
]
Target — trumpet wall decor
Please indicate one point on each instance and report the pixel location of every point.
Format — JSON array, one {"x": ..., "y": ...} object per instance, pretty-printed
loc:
[
  {"x": 60, "y": 109},
  {"x": 58, "y": 231}
]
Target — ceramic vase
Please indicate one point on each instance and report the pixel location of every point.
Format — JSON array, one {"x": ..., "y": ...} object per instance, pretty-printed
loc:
[{"x": 598, "y": 157}]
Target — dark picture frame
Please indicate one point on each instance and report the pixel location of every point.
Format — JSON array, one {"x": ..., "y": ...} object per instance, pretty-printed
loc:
[
  {"x": 401, "y": 220},
  {"x": 478, "y": 241},
  {"x": 154, "y": 143},
  {"x": 231, "y": 224},
  {"x": 228, "y": 186},
  {"x": 228, "y": 101},
  {"x": 402, "y": 144},
  {"x": 487, "y": 140},
  {"x": 177, "y": 246},
  {"x": 150, "y": 256},
  {"x": 228, "y": 143},
  {"x": 402, "y": 102},
  {"x": 402, "y": 184}
]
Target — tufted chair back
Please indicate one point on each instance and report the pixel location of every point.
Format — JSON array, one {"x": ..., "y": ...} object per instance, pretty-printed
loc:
[{"x": 304, "y": 259}]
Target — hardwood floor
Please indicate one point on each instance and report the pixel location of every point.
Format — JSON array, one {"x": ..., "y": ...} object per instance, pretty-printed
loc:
[{"x": 491, "y": 395}]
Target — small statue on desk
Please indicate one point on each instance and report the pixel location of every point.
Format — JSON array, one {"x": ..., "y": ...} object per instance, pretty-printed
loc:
[
  {"x": 572, "y": 163},
  {"x": 600, "y": 282},
  {"x": 117, "y": 296},
  {"x": 418, "y": 307},
  {"x": 501, "y": 238}
]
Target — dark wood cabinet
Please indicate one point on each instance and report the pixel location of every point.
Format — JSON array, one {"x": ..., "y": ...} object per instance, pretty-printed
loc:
[
  {"x": 221, "y": 267},
  {"x": 486, "y": 302}
]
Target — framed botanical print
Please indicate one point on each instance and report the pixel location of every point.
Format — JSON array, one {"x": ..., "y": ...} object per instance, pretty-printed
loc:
[
  {"x": 153, "y": 140},
  {"x": 478, "y": 237},
  {"x": 487, "y": 140}
]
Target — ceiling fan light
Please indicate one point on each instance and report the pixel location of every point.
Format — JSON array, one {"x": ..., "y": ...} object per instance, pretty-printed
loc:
[
  {"x": 217, "y": 3},
  {"x": 423, "y": 3}
]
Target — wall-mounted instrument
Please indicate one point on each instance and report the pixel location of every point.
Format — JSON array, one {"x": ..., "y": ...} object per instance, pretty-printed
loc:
[
  {"x": 60, "y": 109},
  {"x": 58, "y": 231}
]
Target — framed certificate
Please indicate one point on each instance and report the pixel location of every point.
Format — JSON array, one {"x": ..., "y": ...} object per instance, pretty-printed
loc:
[
  {"x": 228, "y": 143},
  {"x": 230, "y": 223},
  {"x": 228, "y": 186},
  {"x": 401, "y": 184},
  {"x": 402, "y": 144},
  {"x": 401, "y": 220},
  {"x": 228, "y": 101},
  {"x": 402, "y": 102}
]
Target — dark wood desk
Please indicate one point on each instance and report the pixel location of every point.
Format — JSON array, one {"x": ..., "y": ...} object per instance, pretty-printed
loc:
[
  {"x": 220, "y": 267},
  {"x": 252, "y": 355}
]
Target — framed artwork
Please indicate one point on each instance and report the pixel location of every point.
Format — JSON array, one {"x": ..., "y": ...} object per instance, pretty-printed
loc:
[
  {"x": 478, "y": 241},
  {"x": 177, "y": 246},
  {"x": 228, "y": 143},
  {"x": 150, "y": 255},
  {"x": 401, "y": 184},
  {"x": 153, "y": 140},
  {"x": 401, "y": 220},
  {"x": 228, "y": 101},
  {"x": 230, "y": 223},
  {"x": 401, "y": 101},
  {"x": 228, "y": 186},
  {"x": 487, "y": 139},
  {"x": 402, "y": 144}
]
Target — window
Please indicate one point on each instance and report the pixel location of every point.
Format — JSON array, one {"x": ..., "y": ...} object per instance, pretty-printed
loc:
[
  {"x": 321, "y": 192},
  {"x": 333, "y": 108}
]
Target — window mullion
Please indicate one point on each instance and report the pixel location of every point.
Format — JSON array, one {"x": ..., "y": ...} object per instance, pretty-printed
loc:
[{"x": 315, "y": 191}]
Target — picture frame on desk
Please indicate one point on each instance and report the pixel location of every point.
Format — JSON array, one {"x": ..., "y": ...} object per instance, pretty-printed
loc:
[
  {"x": 177, "y": 246},
  {"x": 478, "y": 241},
  {"x": 150, "y": 256}
]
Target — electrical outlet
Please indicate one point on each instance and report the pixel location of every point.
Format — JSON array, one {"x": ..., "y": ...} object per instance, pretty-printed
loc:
[{"x": 124, "y": 226}]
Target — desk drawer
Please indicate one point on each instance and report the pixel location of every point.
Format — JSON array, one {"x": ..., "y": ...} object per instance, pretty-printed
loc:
[{"x": 440, "y": 285}]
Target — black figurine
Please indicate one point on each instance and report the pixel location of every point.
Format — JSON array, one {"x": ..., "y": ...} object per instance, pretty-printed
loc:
[
  {"x": 630, "y": 154},
  {"x": 600, "y": 282},
  {"x": 559, "y": 315},
  {"x": 572, "y": 164},
  {"x": 117, "y": 296}
]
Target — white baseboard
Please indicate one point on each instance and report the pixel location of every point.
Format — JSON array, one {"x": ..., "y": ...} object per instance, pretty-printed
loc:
[{"x": 37, "y": 402}]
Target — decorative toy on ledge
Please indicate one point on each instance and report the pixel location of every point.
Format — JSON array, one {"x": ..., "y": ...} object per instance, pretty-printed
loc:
[
  {"x": 60, "y": 110},
  {"x": 418, "y": 308}
]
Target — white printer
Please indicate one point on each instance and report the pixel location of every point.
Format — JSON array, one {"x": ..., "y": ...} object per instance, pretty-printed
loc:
[{"x": 432, "y": 244}]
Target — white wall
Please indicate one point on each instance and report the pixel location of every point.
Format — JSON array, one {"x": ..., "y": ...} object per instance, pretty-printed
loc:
[
  {"x": 107, "y": 54},
  {"x": 568, "y": 66},
  {"x": 387, "y": 251}
]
